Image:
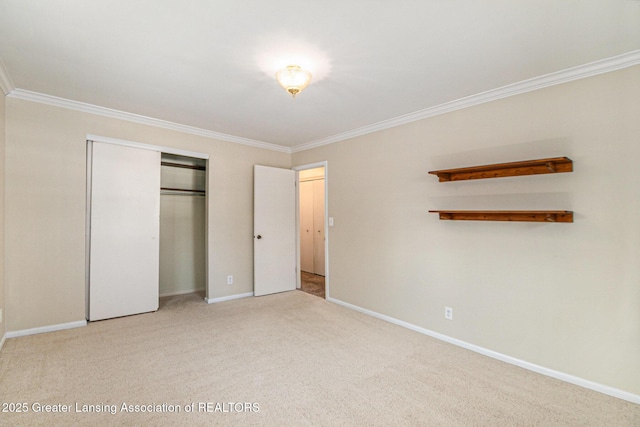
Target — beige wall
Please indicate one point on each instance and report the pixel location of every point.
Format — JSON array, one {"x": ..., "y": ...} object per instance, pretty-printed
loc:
[
  {"x": 45, "y": 208},
  {"x": 2, "y": 167},
  {"x": 562, "y": 296}
]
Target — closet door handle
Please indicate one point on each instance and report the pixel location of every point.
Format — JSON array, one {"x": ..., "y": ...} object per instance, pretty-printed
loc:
[{"x": 258, "y": 237}]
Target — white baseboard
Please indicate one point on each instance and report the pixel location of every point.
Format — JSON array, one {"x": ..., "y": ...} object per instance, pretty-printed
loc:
[
  {"x": 173, "y": 294},
  {"x": 228, "y": 298},
  {"x": 43, "y": 329},
  {"x": 620, "y": 394},
  {"x": 4, "y": 338}
]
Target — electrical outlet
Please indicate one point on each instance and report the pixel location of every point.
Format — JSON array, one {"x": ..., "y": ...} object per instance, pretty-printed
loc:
[
  {"x": 229, "y": 280},
  {"x": 448, "y": 313}
]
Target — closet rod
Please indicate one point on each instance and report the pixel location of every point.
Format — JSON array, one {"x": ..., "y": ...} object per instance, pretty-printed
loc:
[
  {"x": 183, "y": 190},
  {"x": 177, "y": 193},
  {"x": 179, "y": 165}
]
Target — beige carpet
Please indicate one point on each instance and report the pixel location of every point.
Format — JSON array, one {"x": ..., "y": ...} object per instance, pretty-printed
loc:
[{"x": 296, "y": 359}]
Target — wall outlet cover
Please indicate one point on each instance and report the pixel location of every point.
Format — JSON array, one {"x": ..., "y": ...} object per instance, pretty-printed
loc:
[{"x": 448, "y": 313}]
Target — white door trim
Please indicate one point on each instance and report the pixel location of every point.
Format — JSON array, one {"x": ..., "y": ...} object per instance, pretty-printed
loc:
[{"x": 325, "y": 165}]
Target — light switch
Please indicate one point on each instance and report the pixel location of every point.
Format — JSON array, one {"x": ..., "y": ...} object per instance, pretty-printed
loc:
[{"x": 330, "y": 221}]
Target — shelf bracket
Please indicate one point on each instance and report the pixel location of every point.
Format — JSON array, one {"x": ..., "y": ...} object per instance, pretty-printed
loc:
[
  {"x": 444, "y": 177},
  {"x": 551, "y": 166}
]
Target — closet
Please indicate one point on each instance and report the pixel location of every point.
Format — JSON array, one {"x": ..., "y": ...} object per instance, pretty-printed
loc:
[
  {"x": 146, "y": 226},
  {"x": 312, "y": 231},
  {"x": 182, "y": 225}
]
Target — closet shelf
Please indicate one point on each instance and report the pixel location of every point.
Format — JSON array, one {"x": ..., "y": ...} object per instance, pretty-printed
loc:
[
  {"x": 526, "y": 216},
  {"x": 499, "y": 170}
]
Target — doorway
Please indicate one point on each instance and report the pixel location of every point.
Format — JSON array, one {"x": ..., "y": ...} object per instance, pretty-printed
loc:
[{"x": 312, "y": 229}]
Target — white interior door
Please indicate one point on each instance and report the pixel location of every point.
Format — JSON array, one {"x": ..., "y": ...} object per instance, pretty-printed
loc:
[
  {"x": 124, "y": 245},
  {"x": 274, "y": 228}
]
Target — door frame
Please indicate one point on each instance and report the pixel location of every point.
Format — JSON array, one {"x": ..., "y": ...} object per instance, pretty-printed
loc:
[
  {"x": 325, "y": 165},
  {"x": 90, "y": 139}
]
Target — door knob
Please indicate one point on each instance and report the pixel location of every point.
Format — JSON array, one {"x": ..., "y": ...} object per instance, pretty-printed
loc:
[{"x": 258, "y": 237}]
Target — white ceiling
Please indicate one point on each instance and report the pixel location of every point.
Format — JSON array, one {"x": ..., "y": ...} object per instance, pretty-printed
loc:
[{"x": 211, "y": 64}]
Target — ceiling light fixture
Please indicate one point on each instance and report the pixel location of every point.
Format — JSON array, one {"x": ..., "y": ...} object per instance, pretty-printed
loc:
[{"x": 293, "y": 79}]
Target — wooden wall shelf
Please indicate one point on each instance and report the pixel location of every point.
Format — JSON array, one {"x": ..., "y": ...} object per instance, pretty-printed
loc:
[
  {"x": 527, "y": 216},
  {"x": 527, "y": 167}
]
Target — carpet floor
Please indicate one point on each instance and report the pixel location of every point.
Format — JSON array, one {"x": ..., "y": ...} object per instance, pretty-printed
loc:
[{"x": 278, "y": 360}]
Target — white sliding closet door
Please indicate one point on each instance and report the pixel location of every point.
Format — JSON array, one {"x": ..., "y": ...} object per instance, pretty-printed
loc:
[
  {"x": 318, "y": 227},
  {"x": 125, "y": 229},
  {"x": 312, "y": 226},
  {"x": 306, "y": 226}
]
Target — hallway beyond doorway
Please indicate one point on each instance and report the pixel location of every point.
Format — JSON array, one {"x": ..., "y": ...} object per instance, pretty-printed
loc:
[{"x": 312, "y": 284}]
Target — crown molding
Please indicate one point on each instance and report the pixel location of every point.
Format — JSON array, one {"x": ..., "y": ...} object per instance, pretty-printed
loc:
[
  {"x": 55, "y": 101},
  {"x": 6, "y": 84},
  {"x": 607, "y": 65}
]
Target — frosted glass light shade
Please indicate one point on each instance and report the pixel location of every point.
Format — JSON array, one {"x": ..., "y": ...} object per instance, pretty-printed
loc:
[{"x": 293, "y": 79}]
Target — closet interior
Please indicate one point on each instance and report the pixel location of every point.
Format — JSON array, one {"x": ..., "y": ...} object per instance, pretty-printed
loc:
[{"x": 182, "y": 225}]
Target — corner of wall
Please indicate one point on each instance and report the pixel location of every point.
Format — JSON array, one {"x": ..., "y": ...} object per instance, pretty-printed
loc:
[{"x": 2, "y": 151}]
